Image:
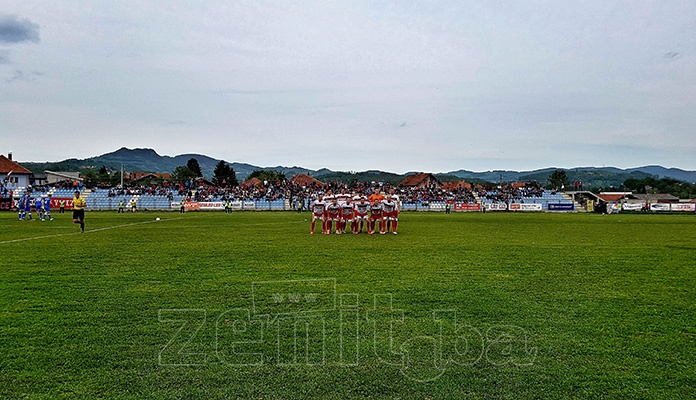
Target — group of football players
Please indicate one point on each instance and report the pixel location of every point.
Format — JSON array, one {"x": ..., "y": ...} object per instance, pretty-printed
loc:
[
  {"x": 363, "y": 213},
  {"x": 42, "y": 205}
]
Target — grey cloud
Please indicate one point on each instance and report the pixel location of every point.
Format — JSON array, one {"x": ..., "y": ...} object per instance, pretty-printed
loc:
[
  {"x": 4, "y": 57},
  {"x": 15, "y": 30},
  {"x": 19, "y": 75}
]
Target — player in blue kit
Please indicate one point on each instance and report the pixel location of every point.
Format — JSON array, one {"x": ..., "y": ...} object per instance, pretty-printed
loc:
[
  {"x": 20, "y": 207},
  {"x": 25, "y": 206},
  {"x": 47, "y": 208},
  {"x": 38, "y": 206}
]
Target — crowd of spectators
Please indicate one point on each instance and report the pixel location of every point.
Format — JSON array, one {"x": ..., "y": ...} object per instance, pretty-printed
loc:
[
  {"x": 512, "y": 193},
  {"x": 152, "y": 190},
  {"x": 436, "y": 193},
  {"x": 296, "y": 193},
  {"x": 301, "y": 195}
]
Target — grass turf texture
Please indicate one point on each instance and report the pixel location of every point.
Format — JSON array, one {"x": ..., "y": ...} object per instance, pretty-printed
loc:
[{"x": 553, "y": 306}]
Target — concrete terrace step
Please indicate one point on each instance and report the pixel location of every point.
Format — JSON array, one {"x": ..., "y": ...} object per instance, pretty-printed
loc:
[{"x": 569, "y": 198}]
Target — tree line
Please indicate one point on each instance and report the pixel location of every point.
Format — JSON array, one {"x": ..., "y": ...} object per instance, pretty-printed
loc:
[
  {"x": 224, "y": 175},
  {"x": 646, "y": 185}
]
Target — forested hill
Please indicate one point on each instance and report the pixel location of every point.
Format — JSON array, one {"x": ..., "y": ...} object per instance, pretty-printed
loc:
[{"x": 148, "y": 160}]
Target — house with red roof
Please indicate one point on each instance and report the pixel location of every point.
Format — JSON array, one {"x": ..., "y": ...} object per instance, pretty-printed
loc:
[
  {"x": 149, "y": 178},
  {"x": 256, "y": 182},
  {"x": 420, "y": 181},
  {"x": 456, "y": 185},
  {"x": 305, "y": 180},
  {"x": 13, "y": 175}
]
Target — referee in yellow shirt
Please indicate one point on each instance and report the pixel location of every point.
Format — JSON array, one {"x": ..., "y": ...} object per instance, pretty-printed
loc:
[{"x": 78, "y": 213}]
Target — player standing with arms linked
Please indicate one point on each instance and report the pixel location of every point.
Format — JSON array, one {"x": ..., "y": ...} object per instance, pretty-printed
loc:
[
  {"x": 347, "y": 215},
  {"x": 361, "y": 207},
  {"x": 333, "y": 213},
  {"x": 318, "y": 209},
  {"x": 396, "y": 212},
  {"x": 78, "y": 214},
  {"x": 390, "y": 214},
  {"x": 376, "y": 214}
]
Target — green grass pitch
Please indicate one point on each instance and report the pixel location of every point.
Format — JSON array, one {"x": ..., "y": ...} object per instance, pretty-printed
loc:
[{"x": 249, "y": 305}]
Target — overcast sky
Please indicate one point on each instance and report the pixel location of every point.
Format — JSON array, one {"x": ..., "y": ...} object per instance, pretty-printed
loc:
[{"x": 353, "y": 85}]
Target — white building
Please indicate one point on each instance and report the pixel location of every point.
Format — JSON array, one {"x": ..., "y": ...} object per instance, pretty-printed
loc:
[{"x": 13, "y": 175}]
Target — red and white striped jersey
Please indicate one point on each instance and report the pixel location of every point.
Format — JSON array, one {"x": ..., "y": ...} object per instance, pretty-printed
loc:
[
  {"x": 361, "y": 207},
  {"x": 318, "y": 207},
  {"x": 333, "y": 209},
  {"x": 376, "y": 209},
  {"x": 389, "y": 206},
  {"x": 347, "y": 210},
  {"x": 342, "y": 197},
  {"x": 396, "y": 199}
]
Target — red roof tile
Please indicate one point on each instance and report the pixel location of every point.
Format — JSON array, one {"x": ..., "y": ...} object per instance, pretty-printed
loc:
[
  {"x": 142, "y": 175},
  {"x": 305, "y": 180},
  {"x": 417, "y": 179},
  {"x": 253, "y": 181},
  {"x": 456, "y": 185},
  {"x": 611, "y": 197},
  {"x": 7, "y": 165}
]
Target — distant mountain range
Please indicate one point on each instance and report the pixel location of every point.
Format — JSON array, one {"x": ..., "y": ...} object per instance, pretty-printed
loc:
[
  {"x": 588, "y": 173},
  {"x": 147, "y": 160}
]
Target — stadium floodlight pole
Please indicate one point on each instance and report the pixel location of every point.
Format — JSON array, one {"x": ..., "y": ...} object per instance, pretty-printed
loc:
[{"x": 121, "y": 176}]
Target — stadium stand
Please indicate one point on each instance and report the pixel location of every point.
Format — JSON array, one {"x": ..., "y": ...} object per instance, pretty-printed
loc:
[
  {"x": 428, "y": 195},
  {"x": 544, "y": 198}
]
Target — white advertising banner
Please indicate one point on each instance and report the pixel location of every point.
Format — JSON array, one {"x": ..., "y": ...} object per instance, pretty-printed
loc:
[
  {"x": 690, "y": 207},
  {"x": 632, "y": 206},
  {"x": 525, "y": 207},
  {"x": 248, "y": 205},
  {"x": 496, "y": 207},
  {"x": 211, "y": 205},
  {"x": 659, "y": 207},
  {"x": 236, "y": 205}
]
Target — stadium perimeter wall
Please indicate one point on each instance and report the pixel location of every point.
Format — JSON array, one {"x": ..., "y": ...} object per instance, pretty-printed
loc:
[{"x": 435, "y": 206}]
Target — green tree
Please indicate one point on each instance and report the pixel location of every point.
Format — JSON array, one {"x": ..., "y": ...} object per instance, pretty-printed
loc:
[
  {"x": 90, "y": 178},
  {"x": 192, "y": 165},
  {"x": 223, "y": 175},
  {"x": 683, "y": 190},
  {"x": 558, "y": 179},
  {"x": 182, "y": 174},
  {"x": 103, "y": 176},
  {"x": 115, "y": 178}
]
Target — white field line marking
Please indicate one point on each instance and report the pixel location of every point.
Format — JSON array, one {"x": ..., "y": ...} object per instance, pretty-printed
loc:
[{"x": 87, "y": 231}]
